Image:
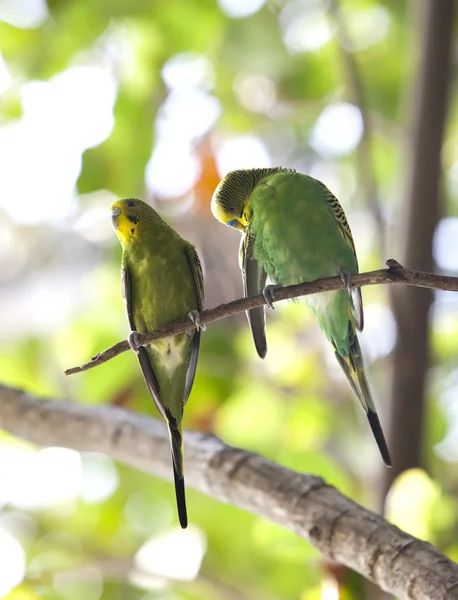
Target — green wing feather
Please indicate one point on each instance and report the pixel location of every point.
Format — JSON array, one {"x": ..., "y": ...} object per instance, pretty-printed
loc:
[
  {"x": 339, "y": 215},
  {"x": 196, "y": 270},
  {"x": 142, "y": 355},
  {"x": 175, "y": 432},
  {"x": 345, "y": 232},
  {"x": 254, "y": 279}
]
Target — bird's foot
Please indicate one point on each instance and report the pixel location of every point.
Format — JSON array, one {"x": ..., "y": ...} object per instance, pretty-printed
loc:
[
  {"x": 355, "y": 293},
  {"x": 269, "y": 294},
  {"x": 194, "y": 315},
  {"x": 347, "y": 278},
  {"x": 134, "y": 342}
]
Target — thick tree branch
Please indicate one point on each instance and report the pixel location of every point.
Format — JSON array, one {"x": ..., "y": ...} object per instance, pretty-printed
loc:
[
  {"x": 394, "y": 274},
  {"x": 338, "y": 527}
]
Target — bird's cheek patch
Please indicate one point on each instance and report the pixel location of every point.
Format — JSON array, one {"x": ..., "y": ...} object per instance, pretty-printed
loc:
[{"x": 126, "y": 229}]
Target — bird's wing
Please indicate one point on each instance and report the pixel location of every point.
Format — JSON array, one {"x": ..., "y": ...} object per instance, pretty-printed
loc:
[
  {"x": 198, "y": 282},
  {"x": 345, "y": 231},
  {"x": 254, "y": 279},
  {"x": 143, "y": 358}
]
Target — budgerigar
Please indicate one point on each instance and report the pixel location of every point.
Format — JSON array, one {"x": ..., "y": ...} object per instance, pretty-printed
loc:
[
  {"x": 162, "y": 282},
  {"x": 294, "y": 230}
]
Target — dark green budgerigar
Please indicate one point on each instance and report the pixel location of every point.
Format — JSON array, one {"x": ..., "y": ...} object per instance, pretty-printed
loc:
[
  {"x": 294, "y": 230},
  {"x": 162, "y": 282}
]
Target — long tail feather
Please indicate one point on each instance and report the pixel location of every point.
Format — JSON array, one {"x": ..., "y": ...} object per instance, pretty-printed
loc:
[
  {"x": 176, "y": 442},
  {"x": 353, "y": 367},
  {"x": 377, "y": 431}
]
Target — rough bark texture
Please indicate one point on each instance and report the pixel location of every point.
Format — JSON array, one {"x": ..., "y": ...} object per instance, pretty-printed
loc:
[
  {"x": 411, "y": 306},
  {"x": 340, "y": 529}
]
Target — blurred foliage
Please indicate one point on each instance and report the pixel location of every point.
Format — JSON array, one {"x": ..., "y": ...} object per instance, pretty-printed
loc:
[{"x": 269, "y": 74}]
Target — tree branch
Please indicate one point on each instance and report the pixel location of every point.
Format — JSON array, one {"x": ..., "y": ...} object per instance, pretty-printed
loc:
[
  {"x": 338, "y": 527},
  {"x": 394, "y": 274}
]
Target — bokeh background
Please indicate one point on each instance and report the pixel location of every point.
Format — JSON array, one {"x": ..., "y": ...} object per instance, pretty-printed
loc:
[{"x": 158, "y": 100}]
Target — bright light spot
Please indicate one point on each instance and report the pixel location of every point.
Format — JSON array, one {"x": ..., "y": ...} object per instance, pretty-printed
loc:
[
  {"x": 238, "y": 9},
  {"x": 172, "y": 170},
  {"x": 100, "y": 478},
  {"x": 255, "y": 92},
  {"x": 94, "y": 223},
  {"x": 367, "y": 27},
  {"x": 12, "y": 559},
  {"x": 78, "y": 103},
  {"x": 188, "y": 70},
  {"x": 84, "y": 583},
  {"x": 59, "y": 476},
  {"x": 242, "y": 152},
  {"x": 176, "y": 555},
  {"x": 148, "y": 582},
  {"x": 185, "y": 116},
  {"x": 25, "y": 14},
  {"x": 329, "y": 589},
  {"x": 34, "y": 480},
  {"x": 41, "y": 153},
  {"x": 379, "y": 335},
  {"x": 38, "y": 180},
  {"x": 446, "y": 244},
  {"x": 305, "y": 26},
  {"x": 412, "y": 516},
  {"x": 5, "y": 77},
  {"x": 338, "y": 130}
]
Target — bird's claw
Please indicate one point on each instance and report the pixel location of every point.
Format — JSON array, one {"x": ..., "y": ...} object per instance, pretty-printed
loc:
[
  {"x": 355, "y": 294},
  {"x": 269, "y": 295},
  {"x": 347, "y": 278},
  {"x": 194, "y": 315},
  {"x": 134, "y": 342}
]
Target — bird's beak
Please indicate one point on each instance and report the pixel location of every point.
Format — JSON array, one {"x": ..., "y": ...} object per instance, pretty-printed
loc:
[
  {"x": 236, "y": 224},
  {"x": 115, "y": 212},
  {"x": 241, "y": 223}
]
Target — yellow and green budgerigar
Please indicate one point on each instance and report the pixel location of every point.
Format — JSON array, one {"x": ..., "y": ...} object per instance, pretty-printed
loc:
[
  {"x": 294, "y": 230},
  {"x": 162, "y": 282}
]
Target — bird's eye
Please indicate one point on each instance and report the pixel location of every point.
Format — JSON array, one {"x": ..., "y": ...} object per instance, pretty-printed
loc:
[
  {"x": 230, "y": 209},
  {"x": 131, "y": 204}
]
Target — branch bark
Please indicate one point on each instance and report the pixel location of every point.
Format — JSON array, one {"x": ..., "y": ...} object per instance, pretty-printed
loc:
[
  {"x": 394, "y": 274},
  {"x": 411, "y": 307},
  {"x": 338, "y": 527}
]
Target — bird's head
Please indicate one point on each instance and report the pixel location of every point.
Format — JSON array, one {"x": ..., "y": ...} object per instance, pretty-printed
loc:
[
  {"x": 232, "y": 198},
  {"x": 128, "y": 217},
  {"x": 230, "y": 202}
]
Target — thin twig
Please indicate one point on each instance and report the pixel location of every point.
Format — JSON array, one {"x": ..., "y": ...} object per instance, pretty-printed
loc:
[
  {"x": 394, "y": 274},
  {"x": 339, "y": 528}
]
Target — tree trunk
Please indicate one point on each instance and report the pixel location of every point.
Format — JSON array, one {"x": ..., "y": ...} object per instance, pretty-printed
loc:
[{"x": 422, "y": 213}]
